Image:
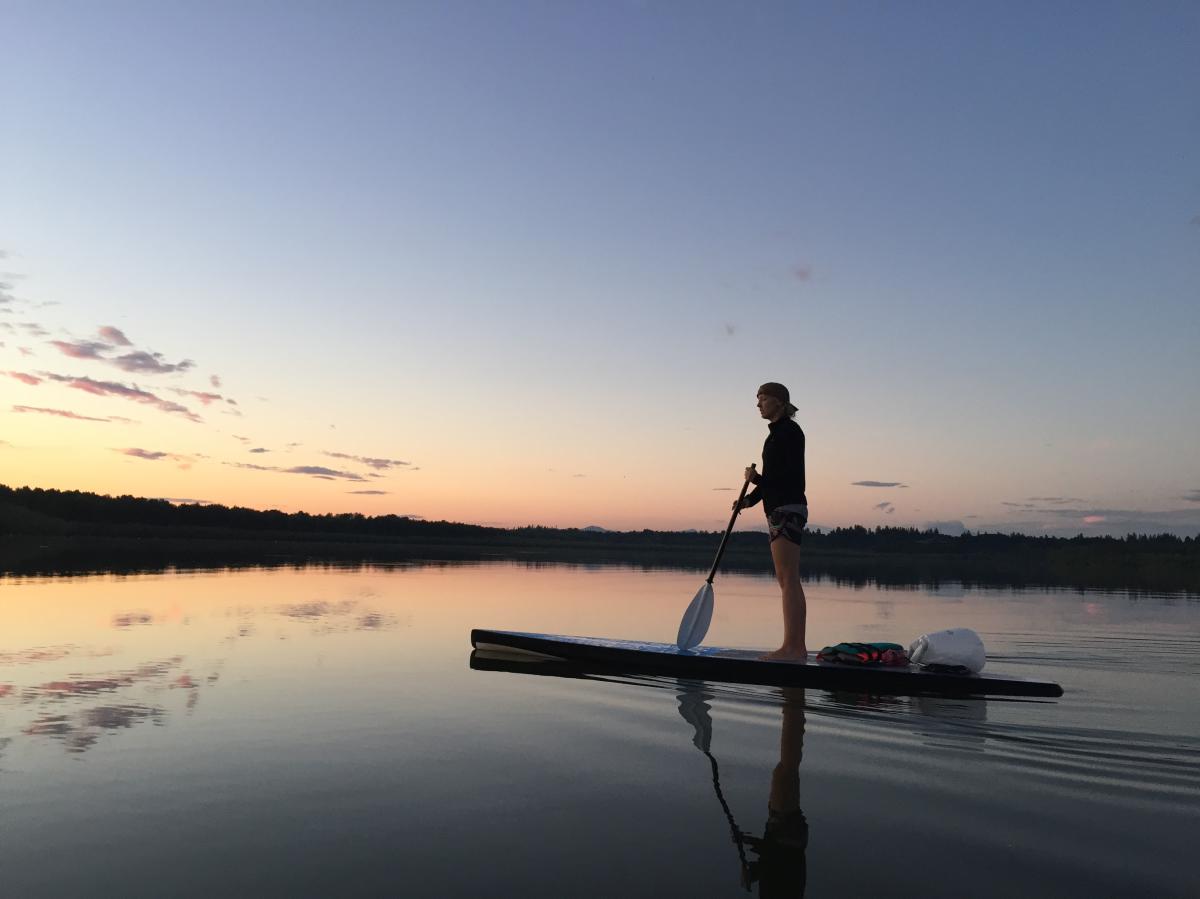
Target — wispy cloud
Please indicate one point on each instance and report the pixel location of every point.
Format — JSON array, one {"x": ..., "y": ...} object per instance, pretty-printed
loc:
[
  {"x": 369, "y": 461},
  {"x": 315, "y": 471},
  {"x": 81, "y": 349},
  {"x": 877, "y": 484},
  {"x": 141, "y": 362},
  {"x": 252, "y": 466},
  {"x": 143, "y": 454},
  {"x": 1043, "y": 503},
  {"x": 1124, "y": 520},
  {"x": 205, "y": 398},
  {"x": 885, "y": 507},
  {"x": 33, "y": 329},
  {"x": 367, "y": 492},
  {"x": 114, "y": 336},
  {"x": 1192, "y": 496},
  {"x": 320, "y": 471},
  {"x": 61, "y": 413},
  {"x": 114, "y": 389},
  {"x": 25, "y": 378},
  {"x": 802, "y": 272},
  {"x": 259, "y": 449},
  {"x": 184, "y": 462},
  {"x": 215, "y": 381}
]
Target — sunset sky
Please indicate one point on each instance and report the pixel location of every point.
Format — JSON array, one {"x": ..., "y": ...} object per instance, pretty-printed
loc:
[{"x": 526, "y": 263}]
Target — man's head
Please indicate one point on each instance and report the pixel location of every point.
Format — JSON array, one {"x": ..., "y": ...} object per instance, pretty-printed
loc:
[{"x": 774, "y": 401}]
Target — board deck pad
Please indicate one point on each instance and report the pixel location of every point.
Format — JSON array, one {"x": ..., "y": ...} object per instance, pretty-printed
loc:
[{"x": 746, "y": 666}]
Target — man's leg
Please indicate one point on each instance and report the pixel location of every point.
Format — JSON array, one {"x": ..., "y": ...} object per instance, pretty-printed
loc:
[{"x": 786, "y": 556}]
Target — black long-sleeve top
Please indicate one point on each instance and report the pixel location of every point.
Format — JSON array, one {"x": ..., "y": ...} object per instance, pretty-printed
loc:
[{"x": 782, "y": 480}]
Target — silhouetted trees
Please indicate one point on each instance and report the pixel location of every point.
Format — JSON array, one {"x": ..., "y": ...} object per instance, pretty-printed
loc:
[{"x": 33, "y": 510}]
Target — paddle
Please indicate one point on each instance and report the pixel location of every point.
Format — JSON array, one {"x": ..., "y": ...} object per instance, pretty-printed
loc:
[{"x": 696, "y": 619}]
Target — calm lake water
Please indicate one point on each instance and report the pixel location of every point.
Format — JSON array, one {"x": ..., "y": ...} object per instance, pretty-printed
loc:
[{"x": 321, "y": 732}]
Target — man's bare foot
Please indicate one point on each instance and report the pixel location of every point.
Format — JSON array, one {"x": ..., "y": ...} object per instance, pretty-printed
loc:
[{"x": 786, "y": 654}]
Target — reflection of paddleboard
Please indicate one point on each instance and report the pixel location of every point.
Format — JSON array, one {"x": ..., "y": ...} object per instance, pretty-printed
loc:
[{"x": 743, "y": 666}]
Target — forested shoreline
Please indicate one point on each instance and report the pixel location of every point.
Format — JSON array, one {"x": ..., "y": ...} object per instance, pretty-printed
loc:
[{"x": 49, "y": 531}]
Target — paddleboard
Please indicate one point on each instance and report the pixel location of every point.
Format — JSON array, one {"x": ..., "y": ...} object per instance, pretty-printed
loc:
[{"x": 745, "y": 666}]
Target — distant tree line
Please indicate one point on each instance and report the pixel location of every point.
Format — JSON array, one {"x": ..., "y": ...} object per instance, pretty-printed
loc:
[
  {"x": 69, "y": 531},
  {"x": 33, "y": 510}
]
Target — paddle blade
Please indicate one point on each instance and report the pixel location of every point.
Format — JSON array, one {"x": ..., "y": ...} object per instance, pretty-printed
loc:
[
  {"x": 694, "y": 707},
  {"x": 696, "y": 619}
]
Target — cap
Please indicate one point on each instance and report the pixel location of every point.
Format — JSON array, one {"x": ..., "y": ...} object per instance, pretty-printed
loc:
[{"x": 777, "y": 390}]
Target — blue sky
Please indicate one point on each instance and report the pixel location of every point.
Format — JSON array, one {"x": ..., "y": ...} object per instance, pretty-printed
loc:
[{"x": 548, "y": 250}]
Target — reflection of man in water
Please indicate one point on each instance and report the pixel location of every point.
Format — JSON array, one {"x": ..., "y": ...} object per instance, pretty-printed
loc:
[{"x": 781, "y": 868}]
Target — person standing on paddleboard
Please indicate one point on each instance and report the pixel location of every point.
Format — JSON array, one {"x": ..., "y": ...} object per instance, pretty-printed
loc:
[{"x": 780, "y": 486}]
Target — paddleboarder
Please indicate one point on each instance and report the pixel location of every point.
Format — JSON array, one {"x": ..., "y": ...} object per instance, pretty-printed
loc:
[{"x": 780, "y": 487}]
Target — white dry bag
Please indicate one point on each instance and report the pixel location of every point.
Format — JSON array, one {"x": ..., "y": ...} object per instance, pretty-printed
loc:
[{"x": 954, "y": 647}]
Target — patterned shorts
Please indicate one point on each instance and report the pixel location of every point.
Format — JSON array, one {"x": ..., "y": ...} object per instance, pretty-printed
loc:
[{"x": 788, "y": 522}]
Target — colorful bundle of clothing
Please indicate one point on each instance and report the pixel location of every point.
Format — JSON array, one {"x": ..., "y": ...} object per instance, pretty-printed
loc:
[{"x": 890, "y": 654}]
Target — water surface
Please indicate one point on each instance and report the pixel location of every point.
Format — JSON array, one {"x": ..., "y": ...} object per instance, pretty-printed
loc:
[{"x": 320, "y": 731}]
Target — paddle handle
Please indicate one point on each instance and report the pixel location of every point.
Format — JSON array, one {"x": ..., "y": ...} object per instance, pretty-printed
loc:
[{"x": 737, "y": 507}]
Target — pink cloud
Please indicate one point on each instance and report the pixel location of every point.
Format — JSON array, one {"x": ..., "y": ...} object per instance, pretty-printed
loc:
[
  {"x": 378, "y": 464},
  {"x": 252, "y": 466},
  {"x": 141, "y": 362},
  {"x": 155, "y": 456},
  {"x": 114, "y": 336},
  {"x": 204, "y": 398},
  {"x": 320, "y": 471},
  {"x": 25, "y": 378},
  {"x": 81, "y": 349},
  {"x": 802, "y": 272},
  {"x": 111, "y": 388},
  {"x": 1093, "y": 519},
  {"x": 143, "y": 454},
  {"x": 61, "y": 413},
  {"x": 316, "y": 471}
]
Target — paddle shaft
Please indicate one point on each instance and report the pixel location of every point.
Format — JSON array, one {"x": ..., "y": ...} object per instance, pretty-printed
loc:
[{"x": 737, "y": 507}]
